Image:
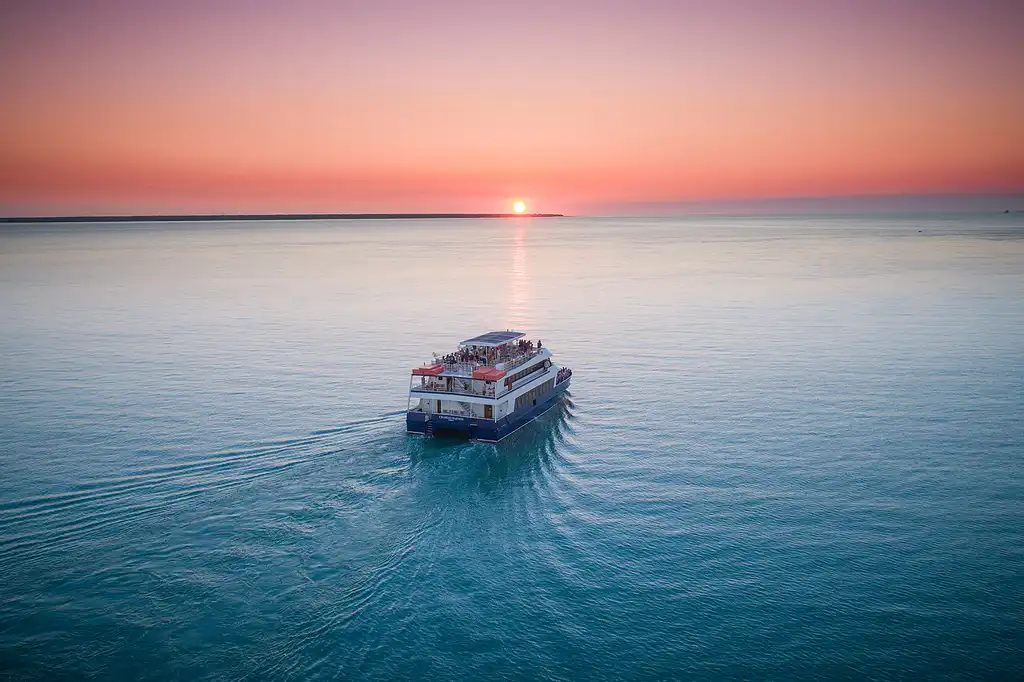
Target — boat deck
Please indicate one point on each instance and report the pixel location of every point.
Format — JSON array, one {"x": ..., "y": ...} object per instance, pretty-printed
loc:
[{"x": 467, "y": 360}]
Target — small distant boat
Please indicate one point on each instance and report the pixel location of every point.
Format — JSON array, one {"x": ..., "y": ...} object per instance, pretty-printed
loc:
[{"x": 491, "y": 386}]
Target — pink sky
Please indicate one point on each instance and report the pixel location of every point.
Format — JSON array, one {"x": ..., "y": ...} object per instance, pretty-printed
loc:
[{"x": 128, "y": 107}]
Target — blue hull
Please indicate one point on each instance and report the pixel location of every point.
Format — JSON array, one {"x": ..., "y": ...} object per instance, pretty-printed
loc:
[{"x": 483, "y": 429}]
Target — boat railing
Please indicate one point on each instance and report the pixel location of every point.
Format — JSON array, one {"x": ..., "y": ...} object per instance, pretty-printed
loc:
[
  {"x": 464, "y": 384},
  {"x": 459, "y": 387},
  {"x": 466, "y": 368},
  {"x": 522, "y": 359}
]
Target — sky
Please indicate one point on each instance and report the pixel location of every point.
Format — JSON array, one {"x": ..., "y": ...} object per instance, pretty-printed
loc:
[{"x": 575, "y": 107}]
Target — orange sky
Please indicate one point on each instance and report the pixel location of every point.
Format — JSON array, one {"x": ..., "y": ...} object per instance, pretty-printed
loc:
[{"x": 116, "y": 107}]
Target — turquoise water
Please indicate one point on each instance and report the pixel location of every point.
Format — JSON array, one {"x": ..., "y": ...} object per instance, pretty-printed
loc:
[{"x": 793, "y": 450}]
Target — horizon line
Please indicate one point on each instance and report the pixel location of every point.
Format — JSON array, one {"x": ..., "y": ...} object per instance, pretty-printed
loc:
[{"x": 215, "y": 217}]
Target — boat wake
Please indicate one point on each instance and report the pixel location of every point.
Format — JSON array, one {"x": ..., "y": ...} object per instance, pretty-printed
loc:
[{"x": 69, "y": 515}]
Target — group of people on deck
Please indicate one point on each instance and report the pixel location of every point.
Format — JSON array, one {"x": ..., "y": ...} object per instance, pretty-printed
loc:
[
  {"x": 462, "y": 355},
  {"x": 525, "y": 346},
  {"x": 490, "y": 356}
]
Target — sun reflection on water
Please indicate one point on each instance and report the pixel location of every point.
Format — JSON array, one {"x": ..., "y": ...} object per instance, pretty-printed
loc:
[{"x": 520, "y": 314}]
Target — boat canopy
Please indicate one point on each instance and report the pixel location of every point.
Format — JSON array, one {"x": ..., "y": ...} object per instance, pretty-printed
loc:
[
  {"x": 493, "y": 339},
  {"x": 429, "y": 370}
]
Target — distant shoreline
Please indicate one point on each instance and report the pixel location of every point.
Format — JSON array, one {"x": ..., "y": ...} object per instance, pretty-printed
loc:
[{"x": 267, "y": 216}]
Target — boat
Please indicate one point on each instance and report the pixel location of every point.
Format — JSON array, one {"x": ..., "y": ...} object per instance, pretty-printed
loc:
[{"x": 490, "y": 387}]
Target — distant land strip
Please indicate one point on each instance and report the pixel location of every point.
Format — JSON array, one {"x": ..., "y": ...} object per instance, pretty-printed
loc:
[{"x": 266, "y": 216}]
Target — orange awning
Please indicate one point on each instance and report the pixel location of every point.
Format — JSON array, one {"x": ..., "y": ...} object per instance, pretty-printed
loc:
[
  {"x": 488, "y": 373},
  {"x": 429, "y": 370}
]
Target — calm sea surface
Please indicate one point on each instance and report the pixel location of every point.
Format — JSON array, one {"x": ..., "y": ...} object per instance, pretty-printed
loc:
[{"x": 794, "y": 450}]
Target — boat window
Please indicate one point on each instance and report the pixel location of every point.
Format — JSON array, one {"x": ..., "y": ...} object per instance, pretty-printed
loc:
[
  {"x": 526, "y": 372},
  {"x": 531, "y": 396}
]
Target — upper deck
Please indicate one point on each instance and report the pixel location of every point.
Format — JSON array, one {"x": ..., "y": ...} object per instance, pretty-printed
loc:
[{"x": 488, "y": 356}]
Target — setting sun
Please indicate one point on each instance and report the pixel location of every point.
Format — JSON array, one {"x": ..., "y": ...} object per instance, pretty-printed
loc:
[{"x": 519, "y": 207}]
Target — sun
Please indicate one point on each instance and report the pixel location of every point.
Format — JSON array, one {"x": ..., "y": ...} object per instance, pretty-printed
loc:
[{"x": 519, "y": 207}]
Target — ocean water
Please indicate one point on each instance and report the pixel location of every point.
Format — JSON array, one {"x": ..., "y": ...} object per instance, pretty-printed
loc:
[{"x": 793, "y": 450}]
